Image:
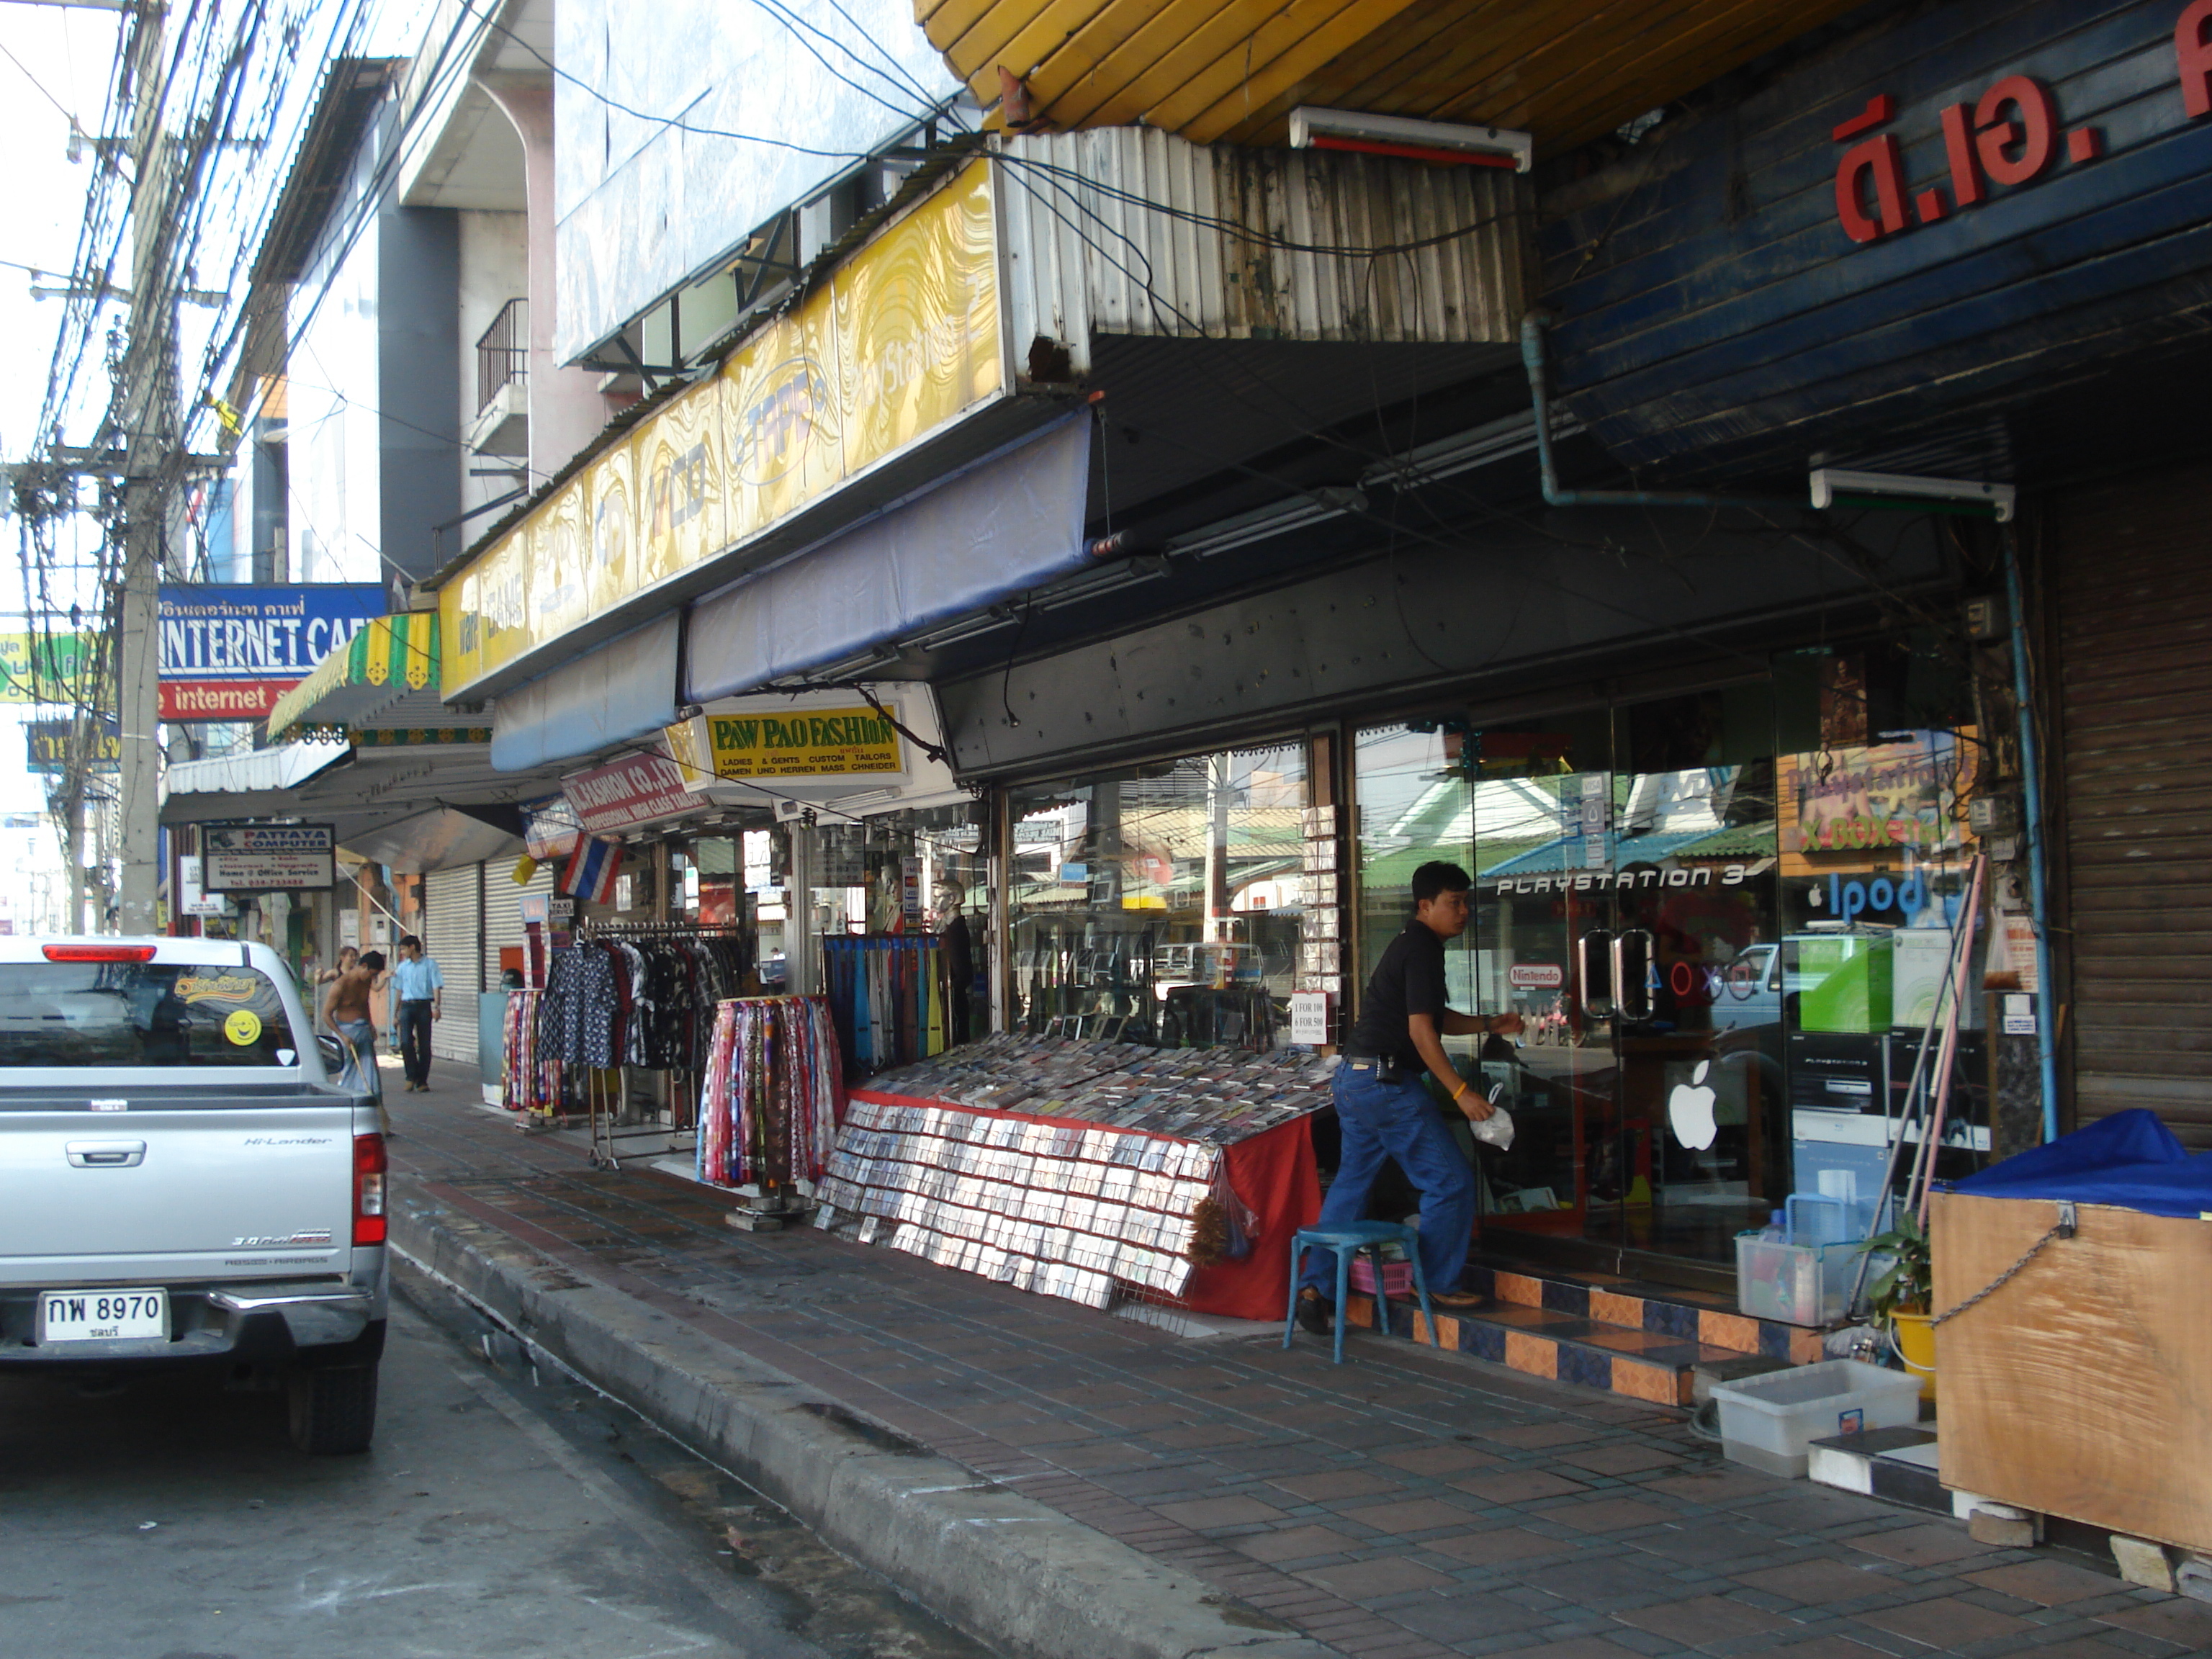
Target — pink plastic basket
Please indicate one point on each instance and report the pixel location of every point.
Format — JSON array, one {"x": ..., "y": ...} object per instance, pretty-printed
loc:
[{"x": 1397, "y": 1276}]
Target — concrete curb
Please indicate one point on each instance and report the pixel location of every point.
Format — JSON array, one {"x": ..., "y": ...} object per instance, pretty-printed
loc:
[{"x": 1023, "y": 1578}]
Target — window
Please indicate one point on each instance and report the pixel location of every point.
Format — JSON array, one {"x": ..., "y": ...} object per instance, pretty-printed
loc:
[
  {"x": 135, "y": 1013},
  {"x": 1161, "y": 905}
]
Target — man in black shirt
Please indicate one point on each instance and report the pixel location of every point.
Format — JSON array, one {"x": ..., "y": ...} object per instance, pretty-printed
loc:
[{"x": 1386, "y": 1113}]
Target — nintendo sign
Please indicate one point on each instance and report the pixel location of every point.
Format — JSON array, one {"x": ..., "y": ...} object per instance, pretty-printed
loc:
[{"x": 1536, "y": 976}]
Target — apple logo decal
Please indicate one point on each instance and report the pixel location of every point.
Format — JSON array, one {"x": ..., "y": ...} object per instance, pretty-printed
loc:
[{"x": 1689, "y": 1110}]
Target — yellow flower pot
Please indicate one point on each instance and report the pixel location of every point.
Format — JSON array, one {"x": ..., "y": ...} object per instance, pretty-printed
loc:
[{"x": 1915, "y": 1336}]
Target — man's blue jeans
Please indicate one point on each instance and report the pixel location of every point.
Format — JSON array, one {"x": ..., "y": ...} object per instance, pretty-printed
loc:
[{"x": 1397, "y": 1120}]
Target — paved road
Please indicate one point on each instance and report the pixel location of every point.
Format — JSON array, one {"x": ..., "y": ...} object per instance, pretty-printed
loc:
[{"x": 498, "y": 1515}]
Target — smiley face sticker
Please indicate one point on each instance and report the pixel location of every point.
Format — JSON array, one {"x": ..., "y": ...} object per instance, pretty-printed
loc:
[{"x": 242, "y": 1026}]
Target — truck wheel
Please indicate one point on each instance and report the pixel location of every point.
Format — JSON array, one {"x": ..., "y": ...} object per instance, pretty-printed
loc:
[{"x": 334, "y": 1411}]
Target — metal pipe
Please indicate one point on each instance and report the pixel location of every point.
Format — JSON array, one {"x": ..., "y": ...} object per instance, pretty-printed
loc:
[
  {"x": 2031, "y": 781},
  {"x": 1532, "y": 356}
]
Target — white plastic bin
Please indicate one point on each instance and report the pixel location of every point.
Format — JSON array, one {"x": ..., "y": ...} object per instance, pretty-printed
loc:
[
  {"x": 1769, "y": 1422},
  {"x": 1796, "y": 1284}
]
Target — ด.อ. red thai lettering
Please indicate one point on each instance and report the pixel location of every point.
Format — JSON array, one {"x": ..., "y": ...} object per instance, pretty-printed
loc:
[{"x": 2010, "y": 135}]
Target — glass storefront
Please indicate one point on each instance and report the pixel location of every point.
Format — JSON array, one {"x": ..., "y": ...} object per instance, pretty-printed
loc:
[
  {"x": 1163, "y": 903},
  {"x": 1718, "y": 914}
]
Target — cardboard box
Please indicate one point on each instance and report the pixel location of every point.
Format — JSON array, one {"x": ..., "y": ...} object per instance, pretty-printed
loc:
[{"x": 2082, "y": 1388}]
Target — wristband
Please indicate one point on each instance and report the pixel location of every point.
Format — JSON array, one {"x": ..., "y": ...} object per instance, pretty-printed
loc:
[{"x": 1457, "y": 1092}]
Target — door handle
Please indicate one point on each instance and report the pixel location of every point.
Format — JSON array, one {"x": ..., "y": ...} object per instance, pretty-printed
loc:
[
  {"x": 1597, "y": 993},
  {"x": 1629, "y": 988},
  {"x": 105, "y": 1154}
]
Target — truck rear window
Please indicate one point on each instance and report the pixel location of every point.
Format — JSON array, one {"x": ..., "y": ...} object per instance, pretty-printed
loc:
[{"x": 141, "y": 1014}]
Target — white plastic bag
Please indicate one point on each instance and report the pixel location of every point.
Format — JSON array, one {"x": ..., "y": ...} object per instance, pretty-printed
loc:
[{"x": 1496, "y": 1130}]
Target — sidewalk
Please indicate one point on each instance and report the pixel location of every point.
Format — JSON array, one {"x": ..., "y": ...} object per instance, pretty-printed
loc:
[{"x": 1118, "y": 1489}]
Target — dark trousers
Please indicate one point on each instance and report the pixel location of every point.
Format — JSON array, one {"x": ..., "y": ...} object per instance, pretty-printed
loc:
[
  {"x": 415, "y": 1039},
  {"x": 1397, "y": 1120}
]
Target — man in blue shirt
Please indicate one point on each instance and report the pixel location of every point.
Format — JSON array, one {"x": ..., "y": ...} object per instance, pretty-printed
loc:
[{"x": 420, "y": 990}]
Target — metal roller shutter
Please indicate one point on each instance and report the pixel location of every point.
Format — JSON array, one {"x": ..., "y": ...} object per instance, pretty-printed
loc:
[
  {"x": 503, "y": 913},
  {"x": 2130, "y": 587},
  {"x": 450, "y": 934}
]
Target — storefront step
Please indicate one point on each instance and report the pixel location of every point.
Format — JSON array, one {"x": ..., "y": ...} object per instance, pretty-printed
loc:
[
  {"x": 1637, "y": 1305},
  {"x": 1560, "y": 1347}
]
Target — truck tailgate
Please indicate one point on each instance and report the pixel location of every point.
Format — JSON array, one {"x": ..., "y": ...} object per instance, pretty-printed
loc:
[{"x": 164, "y": 1195}]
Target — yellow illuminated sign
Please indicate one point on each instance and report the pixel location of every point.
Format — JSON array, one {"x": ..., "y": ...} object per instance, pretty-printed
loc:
[
  {"x": 802, "y": 743},
  {"x": 902, "y": 338}
]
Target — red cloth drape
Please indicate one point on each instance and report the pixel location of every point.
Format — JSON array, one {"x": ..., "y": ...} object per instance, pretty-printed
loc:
[{"x": 1272, "y": 1172}]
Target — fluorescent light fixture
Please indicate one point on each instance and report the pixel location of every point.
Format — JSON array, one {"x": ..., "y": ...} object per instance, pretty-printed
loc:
[
  {"x": 1833, "y": 487},
  {"x": 1424, "y": 141}
]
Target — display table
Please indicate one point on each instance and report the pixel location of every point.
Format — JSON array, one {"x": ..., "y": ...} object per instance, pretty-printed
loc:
[{"x": 1128, "y": 1163}]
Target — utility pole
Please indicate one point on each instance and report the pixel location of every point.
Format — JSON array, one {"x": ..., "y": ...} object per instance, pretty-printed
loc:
[{"x": 151, "y": 464}]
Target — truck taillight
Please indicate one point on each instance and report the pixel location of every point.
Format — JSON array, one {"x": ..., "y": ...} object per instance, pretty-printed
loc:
[{"x": 368, "y": 1166}]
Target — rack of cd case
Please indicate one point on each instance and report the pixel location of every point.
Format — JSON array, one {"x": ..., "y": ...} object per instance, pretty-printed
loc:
[{"x": 1067, "y": 1168}]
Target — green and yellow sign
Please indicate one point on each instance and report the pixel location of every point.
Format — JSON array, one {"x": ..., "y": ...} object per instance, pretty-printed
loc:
[
  {"x": 46, "y": 667},
  {"x": 803, "y": 743}
]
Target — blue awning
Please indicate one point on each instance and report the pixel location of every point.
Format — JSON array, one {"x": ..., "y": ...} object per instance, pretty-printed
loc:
[
  {"x": 622, "y": 692},
  {"x": 1005, "y": 524}
]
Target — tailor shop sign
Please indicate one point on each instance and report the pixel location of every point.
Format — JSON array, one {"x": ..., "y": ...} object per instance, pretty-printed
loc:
[
  {"x": 229, "y": 654},
  {"x": 821, "y": 743},
  {"x": 2008, "y": 136},
  {"x": 903, "y": 338},
  {"x": 627, "y": 794}
]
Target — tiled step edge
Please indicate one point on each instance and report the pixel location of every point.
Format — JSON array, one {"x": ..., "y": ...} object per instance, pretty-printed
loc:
[
  {"x": 1738, "y": 1333},
  {"x": 1554, "y": 1358}
]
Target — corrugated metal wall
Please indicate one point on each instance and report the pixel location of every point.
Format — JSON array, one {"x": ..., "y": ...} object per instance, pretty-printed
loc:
[
  {"x": 2131, "y": 588},
  {"x": 452, "y": 936},
  {"x": 1118, "y": 231},
  {"x": 503, "y": 913}
]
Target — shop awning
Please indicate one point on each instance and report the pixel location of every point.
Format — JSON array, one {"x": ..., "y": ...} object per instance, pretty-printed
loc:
[
  {"x": 993, "y": 529},
  {"x": 387, "y": 675},
  {"x": 622, "y": 692},
  {"x": 243, "y": 785}
]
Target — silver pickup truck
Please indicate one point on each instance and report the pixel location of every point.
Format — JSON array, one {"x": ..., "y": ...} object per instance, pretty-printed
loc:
[{"x": 180, "y": 1181}]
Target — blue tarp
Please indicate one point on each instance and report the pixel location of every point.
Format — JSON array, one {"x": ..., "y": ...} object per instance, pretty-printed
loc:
[{"x": 2130, "y": 1159}]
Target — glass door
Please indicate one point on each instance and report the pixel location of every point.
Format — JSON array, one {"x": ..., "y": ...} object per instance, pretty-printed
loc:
[{"x": 1626, "y": 905}]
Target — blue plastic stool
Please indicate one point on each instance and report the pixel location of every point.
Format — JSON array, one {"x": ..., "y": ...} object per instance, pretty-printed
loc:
[{"x": 1347, "y": 1242}]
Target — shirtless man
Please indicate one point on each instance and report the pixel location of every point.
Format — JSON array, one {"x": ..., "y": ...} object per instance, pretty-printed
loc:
[{"x": 345, "y": 1011}]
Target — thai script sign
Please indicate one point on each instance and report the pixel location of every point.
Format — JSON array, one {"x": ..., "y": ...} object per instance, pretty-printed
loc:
[
  {"x": 46, "y": 667},
  {"x": 263, "y": 858},
  {"x": 902, "y": 338},
  {"x": 48, "y": 743},
  {"x": 2010, "y": 135},
  {"x": 228, "y": 653}
]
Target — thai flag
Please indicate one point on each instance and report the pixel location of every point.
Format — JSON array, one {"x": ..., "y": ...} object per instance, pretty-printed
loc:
[{"x": 592, "y": 870}]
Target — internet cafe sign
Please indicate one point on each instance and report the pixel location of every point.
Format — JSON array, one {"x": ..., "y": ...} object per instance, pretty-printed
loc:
[{"x": 229, "y": 652}]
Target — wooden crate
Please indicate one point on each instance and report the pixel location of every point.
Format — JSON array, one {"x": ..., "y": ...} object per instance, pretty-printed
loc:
[{"x": 2082, "y": 1388}]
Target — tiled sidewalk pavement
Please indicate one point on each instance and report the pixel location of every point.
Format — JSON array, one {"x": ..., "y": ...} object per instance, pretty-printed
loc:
[{"x": 1402, "y": 1505}]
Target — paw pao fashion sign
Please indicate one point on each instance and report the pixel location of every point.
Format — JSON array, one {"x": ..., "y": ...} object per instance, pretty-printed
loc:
[
  {"x": 828, "y": 745},
  {"x": 823, "y": 743}
]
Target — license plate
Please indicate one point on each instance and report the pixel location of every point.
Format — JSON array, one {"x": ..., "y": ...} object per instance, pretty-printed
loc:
[{"x": 102, "y": 1315}]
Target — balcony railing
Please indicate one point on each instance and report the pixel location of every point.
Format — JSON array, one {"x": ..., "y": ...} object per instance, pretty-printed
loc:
[{"x": 503, "y": 352}]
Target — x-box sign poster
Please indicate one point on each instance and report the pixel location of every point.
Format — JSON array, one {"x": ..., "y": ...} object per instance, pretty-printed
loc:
[
  {"x": 266, "y": 858},
  {"x": 228, "y": 653}
]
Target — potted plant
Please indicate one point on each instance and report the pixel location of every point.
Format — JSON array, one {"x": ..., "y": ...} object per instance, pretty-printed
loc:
[{"x": 1899, "y": 1299}]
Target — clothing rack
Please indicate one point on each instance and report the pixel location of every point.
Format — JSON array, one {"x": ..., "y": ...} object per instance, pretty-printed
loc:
[
  {"x": 769, "y": 1104},
  {"x": 606, "y": 1088}
]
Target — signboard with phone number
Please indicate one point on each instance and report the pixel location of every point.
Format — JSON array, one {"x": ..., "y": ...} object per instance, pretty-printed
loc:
[{"x": 266, "y": 858}]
